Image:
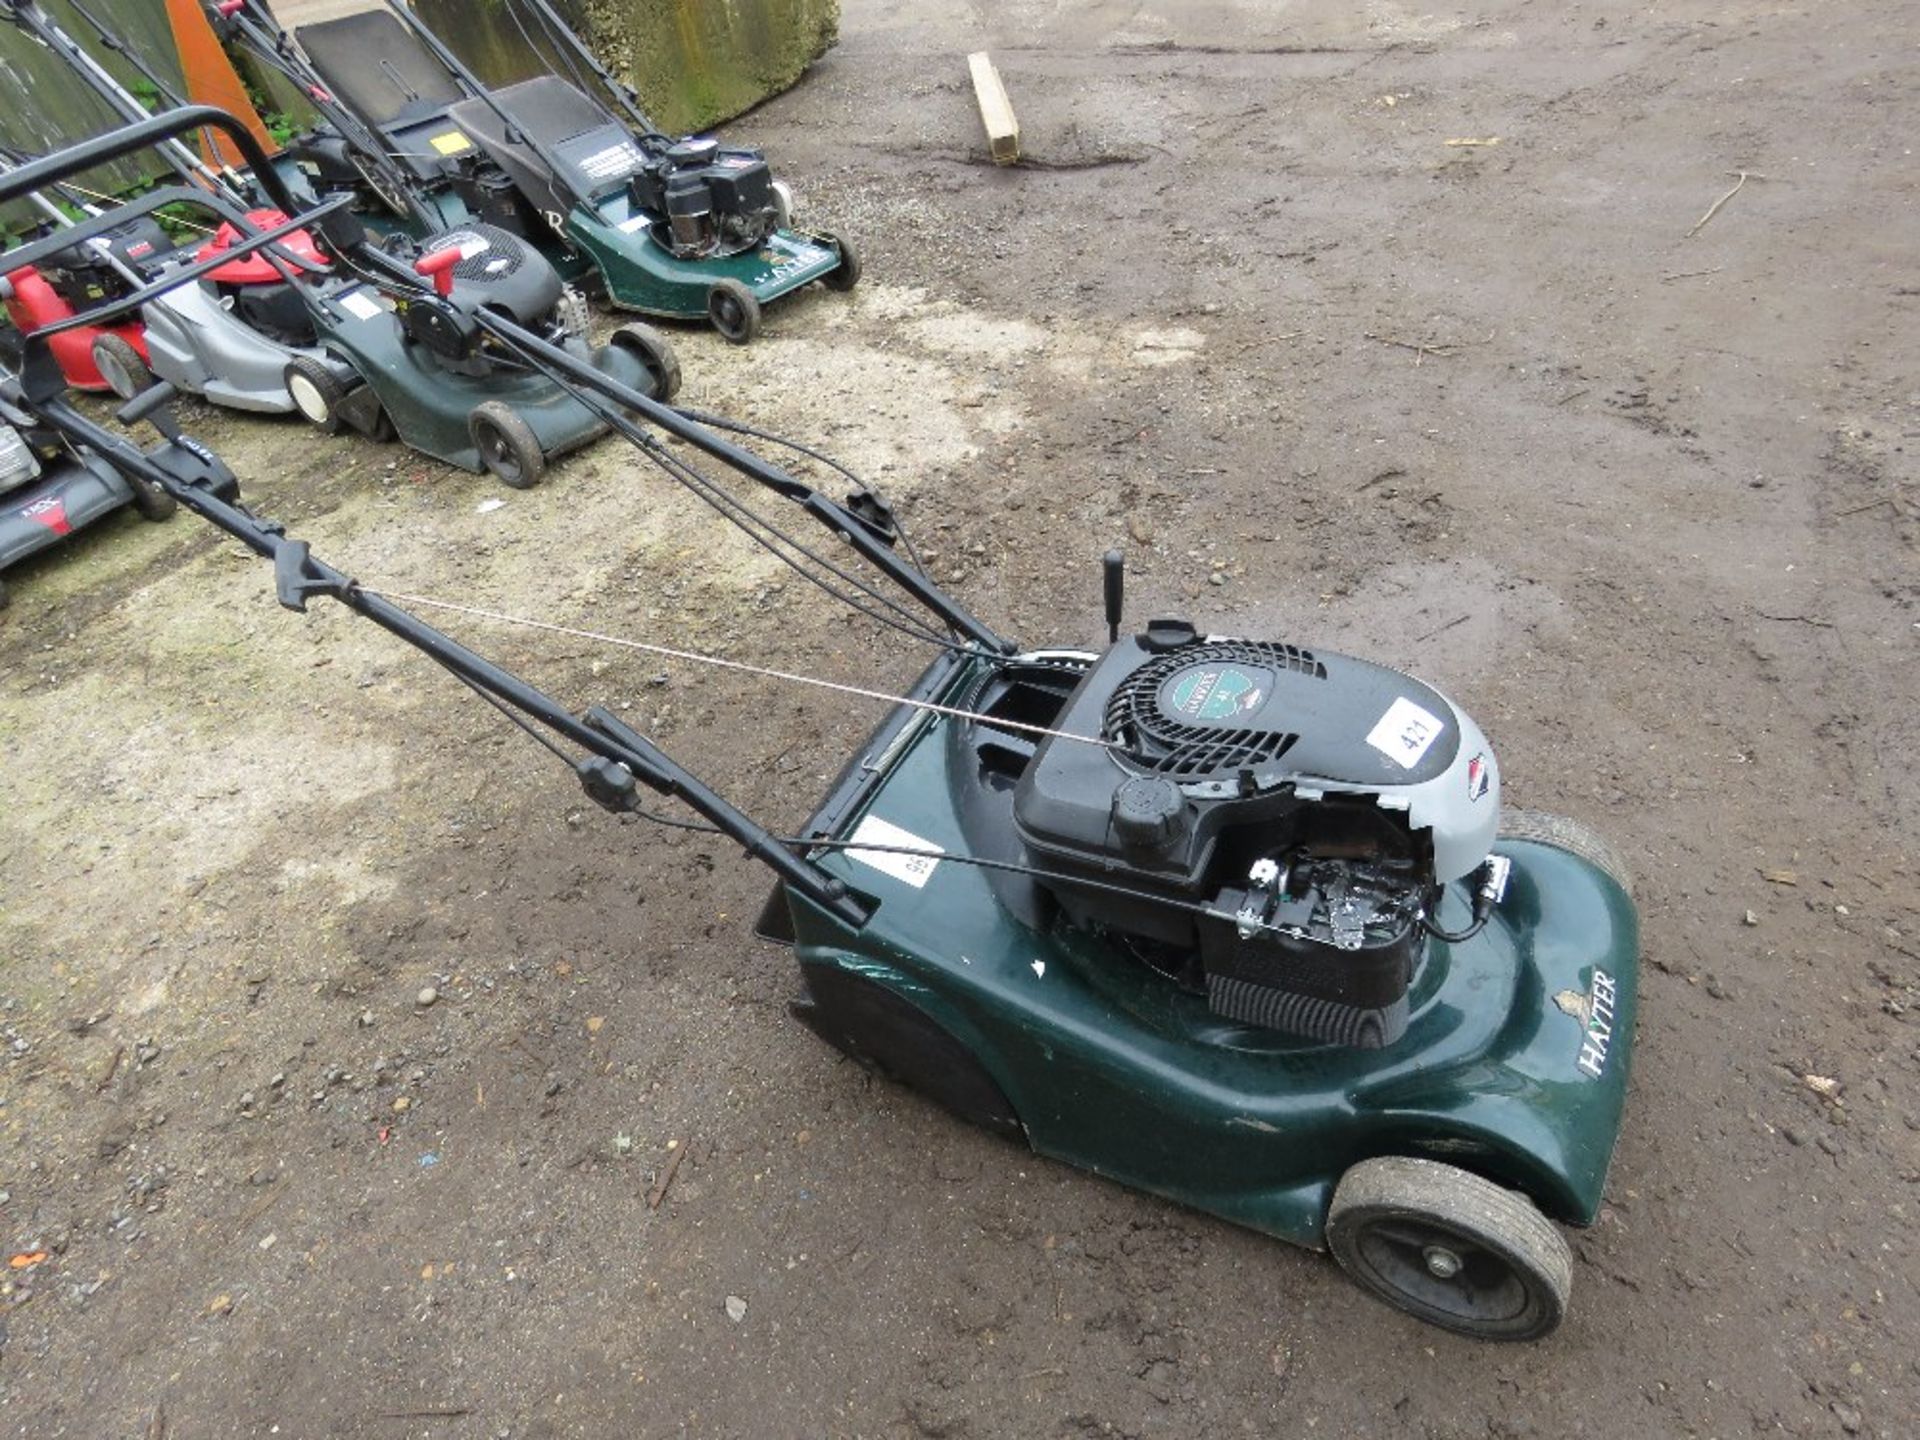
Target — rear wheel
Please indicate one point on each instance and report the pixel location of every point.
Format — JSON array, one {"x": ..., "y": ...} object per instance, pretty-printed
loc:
[
  {"x": 316, "y": 393},
  {"x": 151, "y": 501},
  {"x": 120, "y": 366},
  {"x": 1450, "y": 1248},
  {"x": 1569, "y": 835},
  {"x": 653, "y": 350},
  {"x": 846, "y": 274},
  {"x": 734, "y": 311},
  {"x": 508, "y": 448}
]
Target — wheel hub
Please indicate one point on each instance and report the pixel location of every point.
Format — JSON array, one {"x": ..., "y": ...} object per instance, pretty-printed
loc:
[{"x": 1442, "y": 1263}]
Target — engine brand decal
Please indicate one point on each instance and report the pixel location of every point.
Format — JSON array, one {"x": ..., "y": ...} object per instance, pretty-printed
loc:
[
  {"x": 1594, "y": 1011},
  {"x": 1405, "y": 733},
  {"x": 50, "y": 511},
  {"x": 451, "y": 143},
  {"x": 1213, "y": 692},
  {"x": 915, "y": 870},
  {"x": 1479, "y": 777}
]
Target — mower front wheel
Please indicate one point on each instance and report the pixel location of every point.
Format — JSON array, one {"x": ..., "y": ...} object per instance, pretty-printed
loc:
[
  {"x": 1450, "y": 1248},
  {"x": 846, "y": 274},
  {"x": 734, "y": 311},
  {"x": 316, "y": 393},
  {"x": 120, "y": 365},
  {"x": 654, "y": 351},
  {"x": 508, "y": 448}
]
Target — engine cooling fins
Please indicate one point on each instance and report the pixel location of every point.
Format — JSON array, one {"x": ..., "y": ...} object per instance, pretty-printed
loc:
[{"x": 1185, "y": 713}]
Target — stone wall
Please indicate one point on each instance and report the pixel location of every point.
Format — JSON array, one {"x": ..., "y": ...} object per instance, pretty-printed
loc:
[{"x": 694, "y": 62}]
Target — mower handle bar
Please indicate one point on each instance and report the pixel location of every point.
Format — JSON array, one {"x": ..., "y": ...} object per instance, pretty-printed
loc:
[{"x": 146, "y": 134}]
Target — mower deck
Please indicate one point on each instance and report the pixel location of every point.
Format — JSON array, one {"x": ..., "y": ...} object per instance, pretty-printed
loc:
[{"x": 1514, "y": 1065}]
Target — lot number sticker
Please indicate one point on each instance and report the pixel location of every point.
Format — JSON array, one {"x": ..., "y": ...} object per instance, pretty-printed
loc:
[
  {"x": 1405, "y": 732},
  {"x": 916, "y": 870}
]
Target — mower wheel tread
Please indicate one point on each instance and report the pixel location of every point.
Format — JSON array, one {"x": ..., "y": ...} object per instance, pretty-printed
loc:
[
  {"x": 316, "y": 393},
  {"x": 151, "y": 501},
  {"x": 653, "y": 350},
  {"x": 846, "y": 274},
  {"x": 1383, "y": 1206},
  {"x": 121, "y": 366},
  {"x": 734, "y": 311},
  {"x": 508, "y": 448},
  {"x": 1562, "y": 833}
]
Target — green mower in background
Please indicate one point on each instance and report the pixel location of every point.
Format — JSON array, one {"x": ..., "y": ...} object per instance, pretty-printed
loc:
[{"x": 686, "y": 229}]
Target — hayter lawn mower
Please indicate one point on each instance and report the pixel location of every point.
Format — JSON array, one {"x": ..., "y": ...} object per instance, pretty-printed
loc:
[
  {"x": 1233, "y": 921},
  {"x": 682, "y": 229}
]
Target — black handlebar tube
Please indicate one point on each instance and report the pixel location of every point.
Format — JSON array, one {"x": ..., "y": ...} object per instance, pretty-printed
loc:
[
  {"x": 144, "y": 133},
  {"x": 299, "y": 576}
]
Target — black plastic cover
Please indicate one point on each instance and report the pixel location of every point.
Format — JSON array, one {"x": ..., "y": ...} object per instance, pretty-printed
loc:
[{"x": 377, "y": 67}]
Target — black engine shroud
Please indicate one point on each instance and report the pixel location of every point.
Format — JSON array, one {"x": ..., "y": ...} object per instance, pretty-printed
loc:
[{"x": 1218, "y": 801}]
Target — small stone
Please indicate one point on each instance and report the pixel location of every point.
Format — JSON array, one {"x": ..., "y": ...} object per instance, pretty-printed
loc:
[
  {"x": 221, "y": 1305},
  {"x": 1850, "y": 1419},
  {"x": 246, "y": 1101},
  {"x": 366, "y": 1019},
  {"x": 623, "y": 1144},
  {"x": 426, "y": 996},
  {"x": 278, "y": 1082},
  {"x": 401, "y": 1104},
  {"x": 736, "y": 1309},
  {"x": 267, "y": 1242},
  {"x": 1792, "y": 1135},
  {"x": 1216, "y": 578},
  {"x": 1751, "y": 918}
]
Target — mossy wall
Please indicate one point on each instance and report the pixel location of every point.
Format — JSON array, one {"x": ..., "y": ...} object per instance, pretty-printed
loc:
[{"x": 694, "y": 62}]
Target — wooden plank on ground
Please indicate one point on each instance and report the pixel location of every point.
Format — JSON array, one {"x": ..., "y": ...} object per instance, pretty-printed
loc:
[{"x": 996, "y": 111}]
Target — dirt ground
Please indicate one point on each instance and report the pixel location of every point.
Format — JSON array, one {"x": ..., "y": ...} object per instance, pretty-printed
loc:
[{"x": 1637, "y": 490}]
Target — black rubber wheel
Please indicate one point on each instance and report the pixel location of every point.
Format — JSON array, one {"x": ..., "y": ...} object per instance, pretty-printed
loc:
[
  {"x": 1450, "y": 1248},
  {"x": 653, "y": 350},
  {"x": 1569, "y": 835},
  {"x": 316, "y": 393},
  {"x": 120, "y": 366},
  {"x": 508, "y": 447},
  {"x": 733, "y": 311},
  {"x": 846, "y": 274},
  {"x": 151, "y": 501}
]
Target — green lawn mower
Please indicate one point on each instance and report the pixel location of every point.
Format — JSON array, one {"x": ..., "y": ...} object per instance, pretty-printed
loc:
[
  {"x": 685, "y": 229},
  {"x": 1235, "y": 921}
]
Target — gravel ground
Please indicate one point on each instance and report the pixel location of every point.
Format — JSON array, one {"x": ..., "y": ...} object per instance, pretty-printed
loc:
[{"x": 1637, "y": 490}]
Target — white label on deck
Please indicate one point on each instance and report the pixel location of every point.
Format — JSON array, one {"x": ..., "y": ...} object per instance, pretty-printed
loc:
[
  {"x": 360, "y": 304},
  {"x": 916, "y": 870},
  {"x": 1404, "y": 733}
]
